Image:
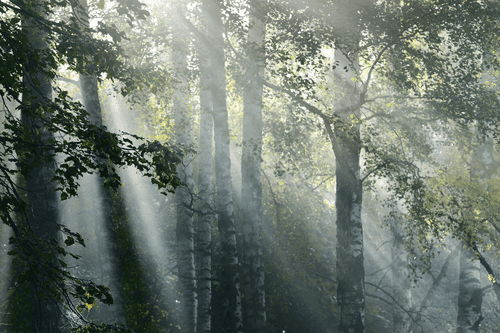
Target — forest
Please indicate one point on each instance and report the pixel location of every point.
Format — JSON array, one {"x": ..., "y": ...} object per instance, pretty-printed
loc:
[{"x": 250, "y": 166}]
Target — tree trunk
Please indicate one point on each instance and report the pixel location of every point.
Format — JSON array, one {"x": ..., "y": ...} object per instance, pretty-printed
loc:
[
  {"x": 185, "y": 222},
  {"x": 42, "y": 197},
  {"x": 230, "y": 283},
  {"x": 107, "y": 246},
  {"x": 401, "y": 285},
  {"x": 251, "y": 193},
  {"x": 349, "y": 192},
  {"x": 470, "y": 296},
  {"x": 205, "y": 202}
]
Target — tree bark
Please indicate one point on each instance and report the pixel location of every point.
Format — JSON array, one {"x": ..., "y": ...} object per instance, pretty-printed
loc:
[
  {"x": 401, "y": 285},
  {"x": 205, "y": 202},
  {"x": 42, "y": 197},
  {"x": 349, "y": 193},
  {"x": 251, "y": 193},
  {"x": 185, "y": 221},
  {"x": 470, "y": 295},
  {"x": 230, "y": 283}
]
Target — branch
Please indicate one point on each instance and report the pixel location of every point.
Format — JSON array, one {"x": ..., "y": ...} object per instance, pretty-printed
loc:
[
  {"x": 276, "y": 204},
  {"x": 64, "y": 79},
  {"x": 441, "y": 275},
  {"x": 323, "y": 277},
  {"x": 393, "y": 300},
  {"x": 322, "y": 182},
  {"x": 484, "y": 263},
  {"x": 410, "y": 164},
  {"x": 372, "y": 171},
  {"x": 314, "y": 110},
  {"x": 369, "y": 76},
  {"x": 497, "y": 228}
]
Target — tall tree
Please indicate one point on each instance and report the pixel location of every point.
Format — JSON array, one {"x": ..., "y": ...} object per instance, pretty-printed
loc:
[
  {"x": 42, "y": 198},
  {"x": 401, "y": 285},
  {"x": 205, "y": 195},
  {"x": 184, "y": 199},
  {"x": 104, "y": 224},
  {"x": 230, "y": 282},
  {"x": 469, "y": 292},
  {"x": 251, "y": 187},
  {"x": 349, "y": 195},
  {"x": 470, "y": 295},
  {"x": 27, "y": 68},
  {"x": 381, "y": 34}
]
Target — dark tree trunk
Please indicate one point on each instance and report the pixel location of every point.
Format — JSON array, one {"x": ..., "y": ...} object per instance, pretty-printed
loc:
[{"x": 42, "y": 197}]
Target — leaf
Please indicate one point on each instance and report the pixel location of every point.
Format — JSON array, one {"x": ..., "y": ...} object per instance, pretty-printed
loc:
[{"x": 69, "y": 241}]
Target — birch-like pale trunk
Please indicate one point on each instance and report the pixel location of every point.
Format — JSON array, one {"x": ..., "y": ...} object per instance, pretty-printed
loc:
[
  {"x": 230, "y": 283},
  {"x": 349, "y": 193},
  {"x": 185, "y": 221},
  {"x": 107, "y": 246},
  {"x": 401, "y": 285},
  {"x": 251, "y": 190},
  {"x": 42, "y": 196},
  {"x": 205, "y": 201},
  {"x": 5, "y": 231}
]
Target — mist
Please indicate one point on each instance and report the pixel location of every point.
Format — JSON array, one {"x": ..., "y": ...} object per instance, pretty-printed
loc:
[{"x": 249, "y": 166}]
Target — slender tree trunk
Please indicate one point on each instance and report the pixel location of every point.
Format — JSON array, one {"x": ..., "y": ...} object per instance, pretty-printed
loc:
[
  {"x": 470, "y": 296},
  {"x": 7, "y": 111},
  {"x": 107, "y": 246},
  {"x": 401, "y": 285},
  {"x": 251, "y": 192},
  {"x": 230, "y": 283},
  {"x": 205, "y": 202},
  {"x": 42, "y": 197},
  {"x": 350, "y": 265},
  {"x": 185, "y": 222}
]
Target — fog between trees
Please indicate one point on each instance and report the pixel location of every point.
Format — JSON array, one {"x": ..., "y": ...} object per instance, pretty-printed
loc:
[{"x": 249, "y": 166}]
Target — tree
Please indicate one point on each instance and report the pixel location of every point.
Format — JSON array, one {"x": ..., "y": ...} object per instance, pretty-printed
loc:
[
  {"x": 230, "y": 283},
  {"x": 251, "y": 188},
  {"x": 185, "y": 226},
  {"x": 401, "y": 285},
  {"x": 205, "y": 200},
  {"x": 33, "y": 51},
  {"x": 380, "y": 34},
  {"x": 470, "y": 294},
  {"x": 42, "y": 200},
  {"x": 109, "y": 249}
]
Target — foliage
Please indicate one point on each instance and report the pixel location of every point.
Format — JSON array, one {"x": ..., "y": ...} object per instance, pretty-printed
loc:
[
  {"x": 94, "y": 328},
  {"x": 83, "y": 147}
]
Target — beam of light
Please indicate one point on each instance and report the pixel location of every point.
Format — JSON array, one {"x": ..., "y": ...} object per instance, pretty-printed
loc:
[
  {"x": 153, "y": 233},
  {"x": 84, "y": 214}
]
